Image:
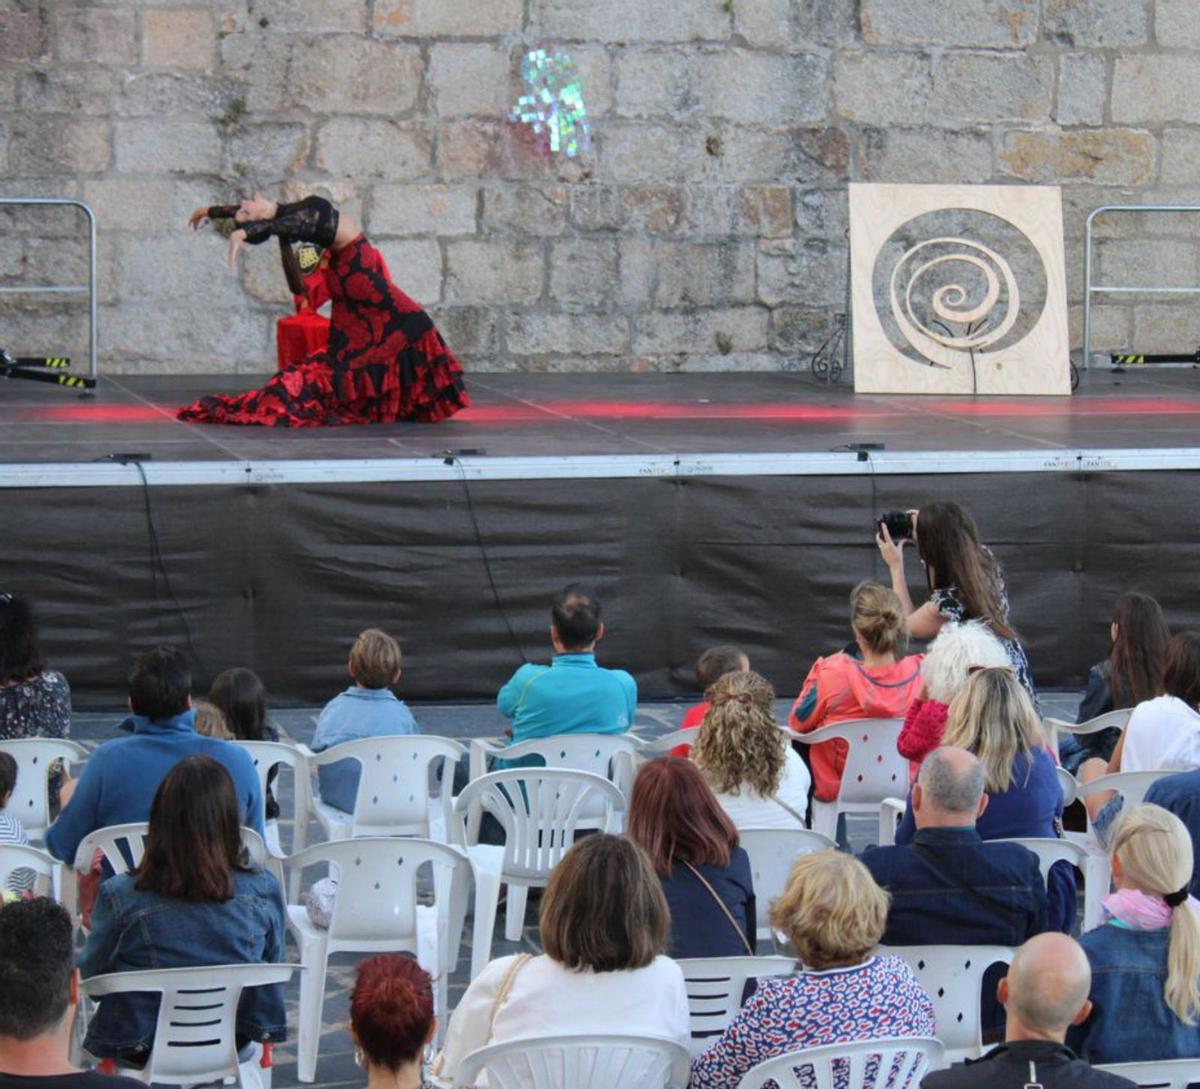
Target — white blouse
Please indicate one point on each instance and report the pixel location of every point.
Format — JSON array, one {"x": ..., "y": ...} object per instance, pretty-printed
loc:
[
  {"x": 1163, "y": 734},
  {"x": 748, "y": 809},
  {"x": 547, "y": 999}
]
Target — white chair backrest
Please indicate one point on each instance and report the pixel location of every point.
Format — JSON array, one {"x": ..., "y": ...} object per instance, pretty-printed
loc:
[
  {"x": 952, "y": 976},
  {"x": 874, "y": 768},
  {"x": 715, "y": 986},
  {"x": 15, "y": 856},
  {"x": 540, "y": 810},
  {"x": 1163, "y": 1074},
  {"x": 609, "y": 755},
  {"x": 773, "y": 852},
  {"x": 662, "y": 746},
  {"x": 1068, "y": 786},
  {"x": 266, "y": 755},
  {"x": 123, "y": 846},
  {"x": 893, "y": 1063},
  {"x": 394, "y": 782},
  {"x": 1131, "y": 785},
  {"x": 579, "y": 1062},
  {"x": 35, "y": 756},
  {"x": 1049, "y": 851},
  {"x": 1055, "y": 727},
  {"x": 195, "y": 1040},
  {"x": 376, "y": 903}
]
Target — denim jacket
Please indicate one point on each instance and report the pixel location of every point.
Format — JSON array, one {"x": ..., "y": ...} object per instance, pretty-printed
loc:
[
  {"x": 1130, "y": 1021},
  {"x": 133, "y": 929}
]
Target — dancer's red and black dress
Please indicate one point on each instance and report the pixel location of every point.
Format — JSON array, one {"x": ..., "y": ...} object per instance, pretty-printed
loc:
[{"x": 386, "y": 361}]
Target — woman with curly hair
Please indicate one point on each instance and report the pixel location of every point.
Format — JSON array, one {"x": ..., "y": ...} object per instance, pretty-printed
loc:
[{"x": 746, "y": 758}]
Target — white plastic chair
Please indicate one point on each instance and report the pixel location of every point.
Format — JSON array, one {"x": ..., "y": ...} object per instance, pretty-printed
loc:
[
  {"x": 1068, "y": 785},
  {"x": 1131, "y": 785},
  {"x": 1049, "y": 851},
  {"x": 874, "y": 768},
  {"x": 846, "y": 1066},
  {"x": 662, "y": 746},
  {"x": 31, "y": 797},
  {"x": 375, "y": 911},
  {"x": 579, "y": 1062},
  {"x": 1053, "y": 727},
  {"x": 266, "y": 755},
  {"x": 1163, "y": 1074},
  {"x": 952, "y": 976},
  {"x": 394, "y": 797},
  {"x": 773, "y": 852},
  {"x": 16, "y": 856},
  {"x": 540, "y": 811},
  {"x": 195, "y": 1040},
  {"x": 891, "y": 812},
  {"x": 715, "y": 986}
]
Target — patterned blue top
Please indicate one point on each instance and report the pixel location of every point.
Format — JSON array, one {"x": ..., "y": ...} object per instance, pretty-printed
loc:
[{"x": 880, "y": 997}]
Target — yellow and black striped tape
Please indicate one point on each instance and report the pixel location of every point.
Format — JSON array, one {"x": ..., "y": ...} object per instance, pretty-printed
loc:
[
  {"x": 1129, "y": 359},
  {"x": 57, "y": 361},
  {"x": 71, "y": 380}
]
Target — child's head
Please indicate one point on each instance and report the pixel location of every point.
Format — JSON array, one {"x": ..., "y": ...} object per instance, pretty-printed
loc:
[
  {"x": 715, "y": 662},
  {"x": 8, "y": 777},
  {"x": 242, "y": 698},
  {"x": 375, "y": 659},
  {"x": 210, "y": 721}
]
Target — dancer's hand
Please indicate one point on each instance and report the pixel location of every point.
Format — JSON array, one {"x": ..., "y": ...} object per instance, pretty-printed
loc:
[
  {"x": 198, "y": 218},
  {"x": 257, "y": 207},
  {"x": 237, "y": 241}
]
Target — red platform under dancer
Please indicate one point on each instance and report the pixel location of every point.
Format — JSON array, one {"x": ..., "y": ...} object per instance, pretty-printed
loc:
[{"x": 385, "y": 361}]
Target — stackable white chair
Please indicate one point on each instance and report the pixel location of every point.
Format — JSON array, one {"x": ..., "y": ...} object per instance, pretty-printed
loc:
[
  {"x": 195, "y": 1039},
  {"x": 662, "y": 746},
  {"x": 1049, "y": 851},
  {"x": 31, "y": 797},
  {"x": 580, "y": 1062},
  {"x": 952, "y": 976},
  {"x": 874, "y": 768},
  {"x": 394, "y": 796},
  {"x": 1055, "y": 727},
  {"x": 16, "y": 856},
  {"x": 1068, "y": 786},
  {"x": 540, "y": 811},
  {"x": 773, "y": 852},
  {"x": 715, "y": 986},
  {"x": 1162, "y": 1074},
  {"x": 375, "y": 911},
  {"x": 837, "y": 1066},
  {"x": 1131, "y": 785}
]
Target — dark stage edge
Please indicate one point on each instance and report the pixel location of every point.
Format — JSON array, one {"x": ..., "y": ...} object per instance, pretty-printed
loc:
[{"x": 704, "y": 508}]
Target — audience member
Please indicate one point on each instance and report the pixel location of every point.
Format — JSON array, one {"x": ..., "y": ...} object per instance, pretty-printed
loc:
[
  {"x": 39, "y": 994},
  {"x": 1163, "y": 734},
  {"x": 993, "y": 718},
  {"x": 1146, "y": 957},
  {"x": 210, "y": 721},
  {"x": 192, "y": 900},
  {"x": 747, "y": 759},
  {"x": 693, "y": 847},
  {"x": 947, "y": 886},
  {"x": 11, "y": 829},
  {"x": 713, "y": 664},
  {"x": 368, "y": 708},
  {"x": 120, "y": 779},
  {"x": 955, "y": 652},
  {"x": 840, "y": 688},
  {"x": 572, "y": 695},
  {"x": 965, "y": 581},
  {"x": 391, "y": 1020},
  {"x": 1180, "y": 794},
  {"x": 1045, "y": 991},
  {"x": 242, "y": 699},
  {"x": 833, "y": 914},
  {"x": 1131, "y": 674},
  {"x": 604, "y": 925}
]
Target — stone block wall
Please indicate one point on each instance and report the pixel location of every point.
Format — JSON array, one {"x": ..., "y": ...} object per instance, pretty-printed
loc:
[{"x": 705, "y": 230}]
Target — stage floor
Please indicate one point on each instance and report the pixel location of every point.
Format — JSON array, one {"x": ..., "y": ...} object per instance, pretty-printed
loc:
[{"x": 590, "y": 415}]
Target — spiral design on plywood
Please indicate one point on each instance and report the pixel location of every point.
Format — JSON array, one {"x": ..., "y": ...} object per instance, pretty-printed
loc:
[{"x": 986, "y": 309}]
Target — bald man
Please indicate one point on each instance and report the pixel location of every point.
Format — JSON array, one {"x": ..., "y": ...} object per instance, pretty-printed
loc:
[{"x": 1045, "y": 992}]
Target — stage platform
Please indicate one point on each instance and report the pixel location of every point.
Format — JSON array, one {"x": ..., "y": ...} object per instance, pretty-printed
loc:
[{"x": 704, "y": 508}]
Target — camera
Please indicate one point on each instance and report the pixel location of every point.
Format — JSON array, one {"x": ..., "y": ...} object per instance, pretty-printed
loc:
[{"x": 899, "y": 524}]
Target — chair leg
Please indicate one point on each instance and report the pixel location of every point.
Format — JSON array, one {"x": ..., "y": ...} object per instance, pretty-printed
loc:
[
  {"x": 487, "y": 899},
  {"x": 1097, "y": 877},
  {"x": 315, "y": 960},
  {"x": 824, "y": 818},
  {"x": 514, "y": 912}
]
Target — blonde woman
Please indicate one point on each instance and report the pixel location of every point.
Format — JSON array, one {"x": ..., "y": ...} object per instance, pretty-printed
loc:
[
  {"x": 879, "y": 684},
  {"x": 834, "y": 915},
  {"x": 1146, "y": 957},
  {"x": 993, "y": 717},
  {"x": 746, "y": 758}
]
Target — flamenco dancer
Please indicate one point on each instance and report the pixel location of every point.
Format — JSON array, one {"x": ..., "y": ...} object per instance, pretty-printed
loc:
[{"x": 385, "y": 361}]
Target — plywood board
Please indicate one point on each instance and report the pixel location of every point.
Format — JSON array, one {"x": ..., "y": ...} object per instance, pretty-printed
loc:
[{"x": 947, "y": 312}]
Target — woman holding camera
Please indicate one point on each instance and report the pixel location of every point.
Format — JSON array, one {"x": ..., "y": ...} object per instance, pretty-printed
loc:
[{"x": 965, "y": 581}]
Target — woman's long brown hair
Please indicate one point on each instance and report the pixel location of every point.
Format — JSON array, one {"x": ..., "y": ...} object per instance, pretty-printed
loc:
[{"x": 1139, "y": 652}]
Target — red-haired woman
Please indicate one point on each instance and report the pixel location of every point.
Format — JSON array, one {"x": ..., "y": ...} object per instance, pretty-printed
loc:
[
  {"x": 676, "y": 819},
  {"x": 391, "y": 1020},
  {"x": 194, "y": 899}
]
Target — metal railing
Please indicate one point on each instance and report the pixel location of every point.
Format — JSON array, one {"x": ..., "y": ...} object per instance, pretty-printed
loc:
[
  {"x": 65, "y": 289},
  {"x": 1090, "y": 289}
]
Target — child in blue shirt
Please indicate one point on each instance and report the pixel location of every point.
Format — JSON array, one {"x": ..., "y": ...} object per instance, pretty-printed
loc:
[{"x": 366, "y": 709}]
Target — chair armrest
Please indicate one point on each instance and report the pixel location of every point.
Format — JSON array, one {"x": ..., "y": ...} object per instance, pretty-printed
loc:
[
  {"x": 481, "y": 748},
  {"x": 891, "y": 810}
]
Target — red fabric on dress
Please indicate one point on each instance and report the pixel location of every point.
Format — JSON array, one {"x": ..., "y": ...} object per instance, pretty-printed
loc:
[
  {"x": 300, "y": 335},
  {"x": 386, "y": 361},
  {"x": 922, "y": 731},
  {"x": 691, "y": 721}
]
